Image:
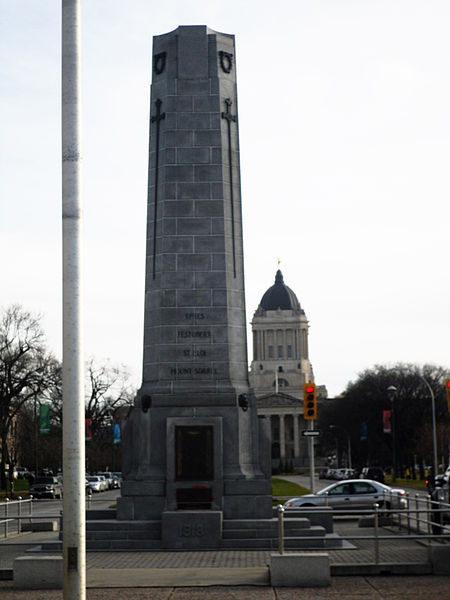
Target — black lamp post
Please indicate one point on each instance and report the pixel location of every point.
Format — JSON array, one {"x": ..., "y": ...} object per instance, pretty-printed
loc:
[
  {"x": 349, "y": 447},
  {"x": 391, "y": 393}
]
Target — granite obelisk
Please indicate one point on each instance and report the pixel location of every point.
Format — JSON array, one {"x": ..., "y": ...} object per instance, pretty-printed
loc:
[{"x": 193, "y": 441}]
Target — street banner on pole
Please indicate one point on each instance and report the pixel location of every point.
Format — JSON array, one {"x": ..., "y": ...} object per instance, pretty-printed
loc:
[
  {"x": 363, "y": 437},
  {"x": 44, "y": 419},
  {"x": 387, "y": 427},
  {"x": 116, "y": 433},
  {"x": 88, "y": 429}
]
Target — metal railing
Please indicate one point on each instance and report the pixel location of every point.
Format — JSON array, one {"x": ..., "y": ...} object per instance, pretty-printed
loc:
[
  {"x": 421, "y": 519},
  {"x": 280, "y": 510},
  {"x": 12, "y": 512}
]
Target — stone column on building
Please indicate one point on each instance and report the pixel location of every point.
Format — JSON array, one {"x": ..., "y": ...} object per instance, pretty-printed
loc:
[
  {"x": 296, "y": 437},
  {"x": 282, "y": 437}
]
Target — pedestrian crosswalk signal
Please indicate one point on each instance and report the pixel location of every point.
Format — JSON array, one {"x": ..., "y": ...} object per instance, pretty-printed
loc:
[{"x": 309, "y": 401}]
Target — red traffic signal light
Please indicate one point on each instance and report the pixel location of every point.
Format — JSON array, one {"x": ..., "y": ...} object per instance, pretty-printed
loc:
[
  {"x": 447, "y": 389},
  {"x": 309, "y": 401}
]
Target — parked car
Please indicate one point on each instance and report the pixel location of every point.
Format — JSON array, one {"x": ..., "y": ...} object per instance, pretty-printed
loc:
[
  {"x": 441, "y": 493},
  {"x": 353, "y": 494},
  {"x": 350, "y": 474},
  {"x": 109, "y": 478},
  {"x": 374, "y": 473},
  {"x": 104, "y": 482},
  {"x": 21, "y": 473},
  {"x": 331, "y": 473},
  {"x": 341, "y": 474},
  {"x": 96, "y": 483},
  {"x": 117, "y": 478},
  {"x": 48, "y": 486}
]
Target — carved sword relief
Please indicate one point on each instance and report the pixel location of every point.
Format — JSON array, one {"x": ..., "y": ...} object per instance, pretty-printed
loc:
[
  {"x": 156, "y": 119},
  {"x": 230, "y": 119}
]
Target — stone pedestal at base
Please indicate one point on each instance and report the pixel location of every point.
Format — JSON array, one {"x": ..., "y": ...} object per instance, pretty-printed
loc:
[
  {"x": 191, "y": 529},
  {"x": 439, "y": 557},
  {"x": 38, "y": 573},
  {"x": 302, "y": 569}
]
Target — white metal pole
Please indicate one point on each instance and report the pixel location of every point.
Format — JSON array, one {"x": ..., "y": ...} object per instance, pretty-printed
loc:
[
  {"x": 349, "y": 450},
  {"x": 433, "y": 418},
  {"x": 312, "y": 468},
  {"x": 74, "y": 520}
]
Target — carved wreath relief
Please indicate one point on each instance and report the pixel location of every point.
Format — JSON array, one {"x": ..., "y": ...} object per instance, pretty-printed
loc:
[
  {"x": 225, "y": 58},
  {"x": 226, "y": 61},
  {"x": 159, "y": 62}
]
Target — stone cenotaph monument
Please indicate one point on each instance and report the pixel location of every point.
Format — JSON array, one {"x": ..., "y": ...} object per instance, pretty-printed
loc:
[{"x": 194, "y": 451}]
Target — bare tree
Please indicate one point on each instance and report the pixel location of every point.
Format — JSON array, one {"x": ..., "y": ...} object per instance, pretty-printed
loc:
[
  {"x": 24, "y": 375},
  {"x": 108, "y": 389},
  {"x": 364, "y": 400}
]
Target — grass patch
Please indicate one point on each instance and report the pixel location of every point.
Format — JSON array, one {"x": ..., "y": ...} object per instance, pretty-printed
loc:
[
  {"x": 21, "y": 488},
  {"x": 281, "y": 487},
  {"x": 417, "y": 483}
]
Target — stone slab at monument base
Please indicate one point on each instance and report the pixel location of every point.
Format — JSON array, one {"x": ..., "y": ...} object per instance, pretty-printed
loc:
[
  {"x": 40, "y": 526},
  {"x": 300, "y": 569},
  {"x": 191, "y": 529},
  {"x": 38, "y": 573},
  {"x": 208, "y": 529},
  {"x": 439, "y": 557}
]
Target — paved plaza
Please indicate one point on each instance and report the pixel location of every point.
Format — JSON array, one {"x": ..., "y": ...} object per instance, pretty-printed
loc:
[
  {"x": 194, "y": 575},
  {"x": 342, "y": 588}
]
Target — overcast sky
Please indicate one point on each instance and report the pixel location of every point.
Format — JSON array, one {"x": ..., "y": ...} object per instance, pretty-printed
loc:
[{"x": 344, "y": 118}]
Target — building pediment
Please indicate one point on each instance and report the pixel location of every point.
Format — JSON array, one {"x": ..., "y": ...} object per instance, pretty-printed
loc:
[{"x": 279, "y": 399}]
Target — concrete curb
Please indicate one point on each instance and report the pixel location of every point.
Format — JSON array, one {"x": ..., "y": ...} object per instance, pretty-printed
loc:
[{"x": 178, "y": 577}]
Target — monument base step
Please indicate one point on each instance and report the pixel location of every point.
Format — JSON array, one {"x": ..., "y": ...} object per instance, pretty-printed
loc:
[{"x": 258, "y": 534}]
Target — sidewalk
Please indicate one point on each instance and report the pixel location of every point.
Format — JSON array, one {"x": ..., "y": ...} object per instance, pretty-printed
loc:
[
  {"x": 228, "y": 574},
  {"x": 403, "y": 551},
  {"x": 342, "y": 588}
]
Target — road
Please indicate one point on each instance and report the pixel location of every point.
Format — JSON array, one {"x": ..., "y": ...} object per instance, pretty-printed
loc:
[
  {"x": 303, "y": 480},
  {"x": 421, "y": 495}
]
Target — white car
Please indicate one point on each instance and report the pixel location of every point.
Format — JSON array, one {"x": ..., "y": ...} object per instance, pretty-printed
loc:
[
  {"x": 95, "y": 483},
  {"x": 353, "y": 494}
]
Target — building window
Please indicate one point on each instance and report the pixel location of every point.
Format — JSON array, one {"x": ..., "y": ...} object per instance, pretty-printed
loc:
[
  {"x": 289, "y": 351},
  {"x": 280, "y": 351},
  {"x": 281, "y": 383},
  {"x": 270, "y": 351}
]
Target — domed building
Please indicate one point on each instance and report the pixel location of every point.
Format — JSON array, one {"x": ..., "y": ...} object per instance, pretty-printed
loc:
[
  {"x": 280, "y": 367},
  {"x": 280, "y": 343}
]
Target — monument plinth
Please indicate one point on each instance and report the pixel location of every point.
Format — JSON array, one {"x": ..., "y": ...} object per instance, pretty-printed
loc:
[{"x": 193, "y": 441}]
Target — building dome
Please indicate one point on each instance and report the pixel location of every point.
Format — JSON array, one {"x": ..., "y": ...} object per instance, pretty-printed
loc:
[{"x": 279, "y": 296}]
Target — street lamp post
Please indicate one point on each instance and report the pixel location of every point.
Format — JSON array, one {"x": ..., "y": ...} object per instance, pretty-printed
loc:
[
  {"x": 433, "y": 416},
  {"x": 337, "y": 450},
  {"x": 33, "y": 380},
  {"x": 349, "y": 447},
  {"x": 36, "y": 437},
  {"x": 391, "y": 392}
]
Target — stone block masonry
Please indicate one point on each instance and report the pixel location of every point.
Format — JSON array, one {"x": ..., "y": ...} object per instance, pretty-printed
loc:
[{"x": 193, "y": 432}]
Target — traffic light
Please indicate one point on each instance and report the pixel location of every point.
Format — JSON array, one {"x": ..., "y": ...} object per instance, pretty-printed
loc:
[
  {"x": 309, "y": 401},
  {"x": 447, "y": 389}
]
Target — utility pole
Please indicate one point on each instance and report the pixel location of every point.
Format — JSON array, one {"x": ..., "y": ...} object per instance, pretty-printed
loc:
[{"x": 74, "y": 504}]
